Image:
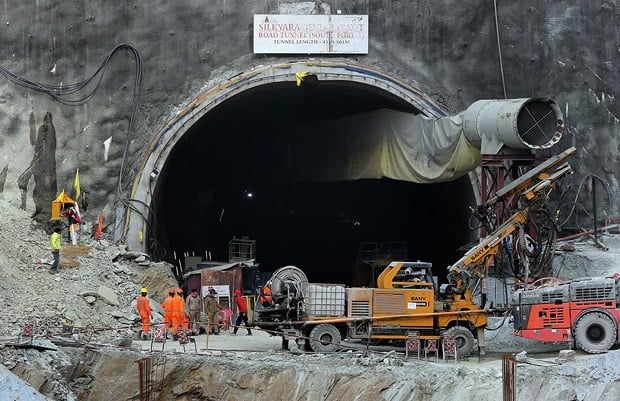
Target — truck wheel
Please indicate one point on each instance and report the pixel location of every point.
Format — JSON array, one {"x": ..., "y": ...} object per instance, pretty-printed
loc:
[
  {"x": 324, "y": 338},
  {"x": 595, "y": 333},
  {"x": 463, "y": 339}
]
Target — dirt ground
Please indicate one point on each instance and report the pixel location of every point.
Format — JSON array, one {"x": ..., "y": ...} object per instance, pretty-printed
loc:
[{"x": 98, "y": 282}]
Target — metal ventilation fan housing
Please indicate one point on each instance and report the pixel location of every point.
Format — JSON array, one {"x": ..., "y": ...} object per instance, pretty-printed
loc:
[{"x": 531, "y": 123}]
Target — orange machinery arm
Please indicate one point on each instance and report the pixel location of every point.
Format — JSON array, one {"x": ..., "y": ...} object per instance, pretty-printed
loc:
[
  {"x": 530, "y": 187},
  {"x": 476, "y": 262}
]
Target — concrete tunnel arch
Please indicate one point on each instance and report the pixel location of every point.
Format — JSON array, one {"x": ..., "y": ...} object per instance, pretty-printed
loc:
[{"x": 368, "y": 82}]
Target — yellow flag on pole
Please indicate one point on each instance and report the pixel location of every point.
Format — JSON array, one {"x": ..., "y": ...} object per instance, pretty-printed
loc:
[{"x": 76, "y": 184}]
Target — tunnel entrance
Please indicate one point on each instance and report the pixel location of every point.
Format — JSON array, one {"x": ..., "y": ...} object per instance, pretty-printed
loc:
[{"x": 230, "y": 175}]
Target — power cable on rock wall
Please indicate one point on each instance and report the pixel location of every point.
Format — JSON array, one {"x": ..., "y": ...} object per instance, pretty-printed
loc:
[
  {"x": 63, "y": 94},
  {"x": 499, "y": 49},
  {"x": 575, "y": 204}
]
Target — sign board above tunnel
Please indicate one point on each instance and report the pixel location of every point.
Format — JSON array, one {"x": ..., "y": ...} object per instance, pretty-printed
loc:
[{"x": 310, "y": 34}]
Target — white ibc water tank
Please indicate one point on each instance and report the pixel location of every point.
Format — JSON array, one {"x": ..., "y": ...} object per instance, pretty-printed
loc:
[{"x": 325, "y": 300}]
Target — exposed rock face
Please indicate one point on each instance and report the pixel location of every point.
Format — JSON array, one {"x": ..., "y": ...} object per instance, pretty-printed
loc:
[
  {"x": 44, "y": 167},
  {"x": 3, "y": 174},
  {"x": 240, "y": 376},
  {"x": 452, "y": 50},
  {"x": 14, "y": 388}
]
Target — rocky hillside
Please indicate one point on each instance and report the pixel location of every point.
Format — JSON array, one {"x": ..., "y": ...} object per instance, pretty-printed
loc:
[{"x": 94, "y": 288}]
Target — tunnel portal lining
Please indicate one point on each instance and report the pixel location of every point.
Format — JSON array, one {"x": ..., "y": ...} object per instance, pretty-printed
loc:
[{"x": 162, "y": 144}]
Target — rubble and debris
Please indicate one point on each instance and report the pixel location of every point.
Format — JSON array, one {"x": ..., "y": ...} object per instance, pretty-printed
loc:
[{"x": 97, "y": 296}]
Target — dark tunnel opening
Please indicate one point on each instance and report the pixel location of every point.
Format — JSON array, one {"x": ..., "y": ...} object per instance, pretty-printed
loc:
[{"x": 225, "y": 179}]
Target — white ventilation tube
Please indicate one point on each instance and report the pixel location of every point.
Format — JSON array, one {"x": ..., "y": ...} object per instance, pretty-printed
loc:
[{"x": 532, "y": 123}]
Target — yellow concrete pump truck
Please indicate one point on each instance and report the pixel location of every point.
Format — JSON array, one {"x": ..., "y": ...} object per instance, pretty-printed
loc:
[{"x": 318, "y": 315}]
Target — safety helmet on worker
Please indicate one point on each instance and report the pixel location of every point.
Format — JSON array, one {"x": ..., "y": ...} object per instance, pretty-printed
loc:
[
  {"x": 144, "y": 290},
  {"x": 179, "y": 290},
  {"x": 171, "y": 291},
  {"x": 238, "y": 292}
]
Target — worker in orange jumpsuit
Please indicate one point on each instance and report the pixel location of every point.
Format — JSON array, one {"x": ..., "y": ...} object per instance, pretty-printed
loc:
[
  {"x": 265, "y": 297},
  {"x": 180, "y": 310},
  {"x": 143, "y": 306},
  {"x": 169, "y": 307}
]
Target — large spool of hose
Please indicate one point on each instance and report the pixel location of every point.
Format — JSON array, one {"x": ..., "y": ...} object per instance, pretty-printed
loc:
[
  {"x": 289, "y": 280},
  {"x": 530, "y": 123}
]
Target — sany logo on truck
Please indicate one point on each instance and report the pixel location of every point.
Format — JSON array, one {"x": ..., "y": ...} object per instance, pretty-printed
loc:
[{"x": 415, "y": 302}]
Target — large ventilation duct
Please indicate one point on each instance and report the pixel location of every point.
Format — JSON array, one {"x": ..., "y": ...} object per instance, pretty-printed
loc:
[
  {"x": 408, "y": 147},
  {"x": 535, "y": 123}
]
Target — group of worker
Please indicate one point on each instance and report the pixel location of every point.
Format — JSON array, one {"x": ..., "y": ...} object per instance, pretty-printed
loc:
[
  {"x": 176, "y": 314},
  {"x": 184, "y": 313}
]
